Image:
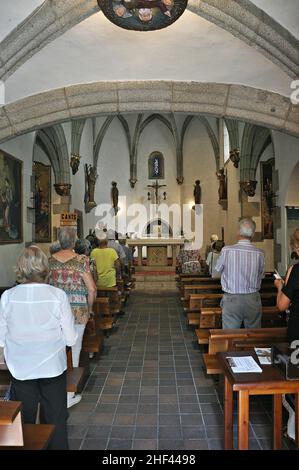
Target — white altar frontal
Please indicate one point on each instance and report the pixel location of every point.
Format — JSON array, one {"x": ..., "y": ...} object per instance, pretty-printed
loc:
[{"x": 158, "y": 249}]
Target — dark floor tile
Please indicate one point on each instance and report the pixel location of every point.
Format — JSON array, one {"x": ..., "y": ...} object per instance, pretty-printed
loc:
[
  {"x": 102, "y": 418},
  {"x": 262, "y": 431},
  {"x": 126, "y": 408},
  {"x": 169, "y": 420},
  {"x": 105, "y": 408},
  {"x": 194, "y": 419},
  {"x": 79, "y": 418},
  {"x": 210, "y": 408},
  {"x": 122, "y": 432},
  {"x": 196, "y": 444},
  {"x": 216, "y": 444},
  {"x": 193, "y": 432},
  {"x": 165, "y": 408},
  {"x": 213, "y": 419},
  {"x": 170, "y": 432},
  {"x": 124, "y": 419},
  {"x": 166, "y": 444},
  {"x": 148, "y": 408},
  {"x": 128, "y": 399},
  {"x": 75, "y": 444},
  {"x": 188, "y": 399},
  {"x": 108, "y": 398},
  {"x": 145, "y": 444},
  {"x": 169, "y": 399},
  {"x": 76, "y": 431},
  {"x": 215, "y": 432},
  {"x": 94, "y": 444},
  {"x": 189, "y": 408},
  {"x": 119, "y": 444},
  {"x": 147, "y": 420},
  {"x": 207, "y": 399},
  {"x": 98, "y": 432},
  {"x": 145, "y": 432}
]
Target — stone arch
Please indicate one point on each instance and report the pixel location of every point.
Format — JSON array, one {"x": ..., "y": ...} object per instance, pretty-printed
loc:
[
  {"x": 254, "y": 141},
  {"x": 252, "y": 105},
  {"x": 140, "y": 126},
  {"x": 102, "y": 132},
  {"x": 242, "y": 19},
  {"x": 77, "y": 131},
  {"x": 211, "y": 134},
  {"x": 53, "y": 142}
]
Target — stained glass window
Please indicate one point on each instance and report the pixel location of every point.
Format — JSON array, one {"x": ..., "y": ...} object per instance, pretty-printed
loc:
[{"x": 156, "y": 166}]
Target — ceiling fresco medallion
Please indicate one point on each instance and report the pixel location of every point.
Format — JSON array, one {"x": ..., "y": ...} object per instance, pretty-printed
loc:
[{"x": 143, "y": 15}]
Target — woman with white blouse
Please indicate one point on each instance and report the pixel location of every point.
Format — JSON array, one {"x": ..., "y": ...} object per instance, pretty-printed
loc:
[{"x": 36, "y": 325}]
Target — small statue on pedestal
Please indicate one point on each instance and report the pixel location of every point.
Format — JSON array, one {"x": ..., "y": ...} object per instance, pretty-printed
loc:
[
  {"x": 90, "y": 179},
  {"x": 197, "y": 193},
  {"x": 114, "y": 196},
  {"x": 222, "y": 191}
]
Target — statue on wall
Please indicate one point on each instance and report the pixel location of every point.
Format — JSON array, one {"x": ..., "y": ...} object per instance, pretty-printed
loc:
[
  {"x": 75, "y": 162},
  {"x": 222, "y": 191},
  {"x": 90, "y": 182},
  {"x": 114, "y": 196},
  {"x": 197, "y": 192}
]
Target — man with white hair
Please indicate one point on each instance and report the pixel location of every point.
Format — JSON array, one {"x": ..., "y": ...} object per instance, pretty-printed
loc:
[
  {"x": 117, "y": 247},
  {"x": 242, "y": 268}
]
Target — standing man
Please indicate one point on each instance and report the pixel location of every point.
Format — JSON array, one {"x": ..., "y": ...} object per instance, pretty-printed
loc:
[{"x": 242, "y": 269}]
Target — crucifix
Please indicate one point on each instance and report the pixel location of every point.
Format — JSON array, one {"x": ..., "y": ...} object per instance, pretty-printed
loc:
[{"x": 156, "y": 186}]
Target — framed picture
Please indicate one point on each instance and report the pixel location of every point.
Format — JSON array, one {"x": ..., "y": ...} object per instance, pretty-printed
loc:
[
  {"x": 267, "y": 198},
  {"x": 80, "y": 231},
  {"x": 42, "y": 203},
  {"x": 11, "y": 210}
]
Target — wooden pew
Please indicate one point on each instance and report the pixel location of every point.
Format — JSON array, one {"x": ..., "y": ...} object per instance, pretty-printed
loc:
[
  {"x": 236, "y": 339},
  {"x": 211, "y": 317},
  {"x": 114, "y": 298},
  {"x": 104, "y": 319},
  {"x": 75, "y": 375},
  {"x": 198, "y": 301},
  {"x": 14, "y": 435}
]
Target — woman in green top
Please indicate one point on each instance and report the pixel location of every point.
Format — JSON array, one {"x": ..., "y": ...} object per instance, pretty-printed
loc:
[{"x": 107, "y": 263}]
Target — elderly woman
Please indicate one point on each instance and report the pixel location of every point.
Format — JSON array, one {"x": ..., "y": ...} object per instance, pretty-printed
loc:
[
  {"x": 83, "y": 247},
  {"x": 36, "y": 324},
  {"x": 71, "y": 272}
]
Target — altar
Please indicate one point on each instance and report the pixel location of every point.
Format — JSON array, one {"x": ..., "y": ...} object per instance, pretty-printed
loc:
[{"x": 157, "y": 249}]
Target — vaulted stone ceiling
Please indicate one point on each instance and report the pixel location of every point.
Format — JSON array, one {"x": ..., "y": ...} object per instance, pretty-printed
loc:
[{"x": 56, "y": 44}]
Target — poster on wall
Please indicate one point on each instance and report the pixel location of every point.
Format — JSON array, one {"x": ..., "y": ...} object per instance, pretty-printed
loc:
[
  {"x": 267, "y": 198},
  {"x": 11, "y": 222},
  {"x": 42, "y": 202}
]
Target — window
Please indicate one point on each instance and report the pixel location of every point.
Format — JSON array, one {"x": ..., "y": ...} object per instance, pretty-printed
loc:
[
  {"x": 225, "y": 143},
  {"x": 156, "y": 166}
]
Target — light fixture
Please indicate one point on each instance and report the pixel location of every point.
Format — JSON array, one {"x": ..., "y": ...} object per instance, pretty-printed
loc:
[{"x": 143, "y": 15}]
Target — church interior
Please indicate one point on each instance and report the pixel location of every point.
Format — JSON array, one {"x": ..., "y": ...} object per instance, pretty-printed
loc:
[{"x": 99, "y": 121}]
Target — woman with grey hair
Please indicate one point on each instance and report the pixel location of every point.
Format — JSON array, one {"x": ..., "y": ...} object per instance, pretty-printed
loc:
[
  {"x": 71, "y": 272},
  {"x": 36, "y": 325}
]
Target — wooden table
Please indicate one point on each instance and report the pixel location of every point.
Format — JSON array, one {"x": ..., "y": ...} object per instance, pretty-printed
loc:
[{"x": 269, "y": 382}]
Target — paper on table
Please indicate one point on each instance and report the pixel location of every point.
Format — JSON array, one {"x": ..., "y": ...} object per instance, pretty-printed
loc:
[
  {"x": 245, "y": 364},
  {"x": 264, "y": 355}
]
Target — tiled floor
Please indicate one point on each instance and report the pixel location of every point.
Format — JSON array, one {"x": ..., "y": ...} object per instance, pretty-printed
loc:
[{"x": 148, "y": 389}]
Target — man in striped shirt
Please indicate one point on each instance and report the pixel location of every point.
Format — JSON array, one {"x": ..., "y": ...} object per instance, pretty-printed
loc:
[{"x": 242, "y": 269}]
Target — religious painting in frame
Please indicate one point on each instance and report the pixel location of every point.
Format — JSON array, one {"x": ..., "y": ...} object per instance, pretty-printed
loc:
[
  {"x": 11, "y": 210},
  {"x": 142, "y": 15},
  {"x": 42, "y": 202},
  {"x": 267, "y": 198}
]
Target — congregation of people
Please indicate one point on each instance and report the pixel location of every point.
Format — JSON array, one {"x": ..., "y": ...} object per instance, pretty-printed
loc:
[
  {"x": 53, "y": 300},
  {"x": 57, "y": 295}
]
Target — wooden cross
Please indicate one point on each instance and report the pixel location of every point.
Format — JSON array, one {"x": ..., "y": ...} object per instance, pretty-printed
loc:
[{"x": 156, "y": 186}]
